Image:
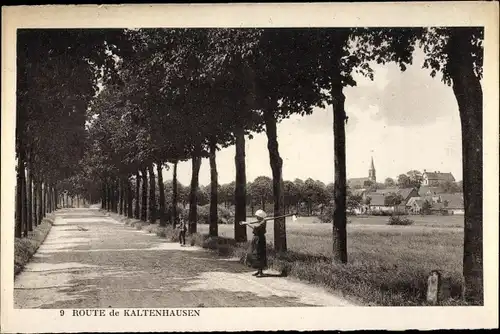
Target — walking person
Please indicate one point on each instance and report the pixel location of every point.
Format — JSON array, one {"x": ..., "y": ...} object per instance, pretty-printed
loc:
[
  {"x": 258, "y": 252},
  {"x": 183, "y": 230}
]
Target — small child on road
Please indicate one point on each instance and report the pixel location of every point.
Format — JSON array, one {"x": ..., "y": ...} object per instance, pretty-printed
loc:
[{"x": 183, "y": 230}]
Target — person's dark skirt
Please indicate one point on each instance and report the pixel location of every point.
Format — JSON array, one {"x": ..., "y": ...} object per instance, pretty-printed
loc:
[{"x": 258, "y": 255}]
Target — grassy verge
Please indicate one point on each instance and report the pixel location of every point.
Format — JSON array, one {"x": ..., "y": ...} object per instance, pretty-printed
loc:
[
  {"x": 388, "y": 265},
  {"x": 24, "y": 248}
]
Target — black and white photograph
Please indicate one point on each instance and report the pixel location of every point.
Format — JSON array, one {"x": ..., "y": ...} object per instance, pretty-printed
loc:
[{"x": 170, "y": 171}]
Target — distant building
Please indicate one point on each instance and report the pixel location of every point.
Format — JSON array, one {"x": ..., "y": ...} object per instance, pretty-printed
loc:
[
  {"x": 362, "y": 182},
  {"x": 453, "y": 203},
  {"x": 377, "y": 202},
  {"x": 415, "y": 205},
  {"x": 429, "y": 191},
  {"x": 436, "y": 178}
]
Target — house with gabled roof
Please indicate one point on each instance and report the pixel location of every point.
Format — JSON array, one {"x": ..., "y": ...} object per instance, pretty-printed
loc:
[
  {"x": 406, "y": 193},
  {"x": 377, "y": 202},
  {"x": 453, "y": 203},
  {"x": 415, "y": 205},
  {"x": 435, "y": 178}
]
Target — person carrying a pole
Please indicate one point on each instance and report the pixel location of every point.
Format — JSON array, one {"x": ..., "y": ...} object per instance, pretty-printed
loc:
[{"x": 258, "y": 251}]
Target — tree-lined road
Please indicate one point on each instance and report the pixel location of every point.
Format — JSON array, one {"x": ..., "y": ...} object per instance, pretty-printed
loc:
[
  {"x": 147, "y": 99},
  {"x": 91, "y": 260}
]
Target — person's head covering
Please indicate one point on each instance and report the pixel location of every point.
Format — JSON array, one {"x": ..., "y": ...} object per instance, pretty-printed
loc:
[{"x": 260, "y": 214}]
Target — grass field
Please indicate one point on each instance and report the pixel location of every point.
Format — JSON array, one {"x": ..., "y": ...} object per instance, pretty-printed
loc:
[{"x": 388, "y": 265}]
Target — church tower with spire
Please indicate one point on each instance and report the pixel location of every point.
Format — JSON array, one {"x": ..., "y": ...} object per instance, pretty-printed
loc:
[{"x": 371, "y": 172}]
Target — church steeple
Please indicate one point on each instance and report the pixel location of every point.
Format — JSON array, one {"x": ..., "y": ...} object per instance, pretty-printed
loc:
[{"x": 371, "y": 172}]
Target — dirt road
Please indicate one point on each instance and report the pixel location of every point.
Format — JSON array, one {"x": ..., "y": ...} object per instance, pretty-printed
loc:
[{"x": 90, "y": 260}]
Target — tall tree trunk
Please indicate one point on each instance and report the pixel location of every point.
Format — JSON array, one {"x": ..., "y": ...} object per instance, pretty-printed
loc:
[
  {"x": 120, "y": 196},
  {"x": 469, "y": 95},
  {"x": 214, "y": 219},
  {"x": 25, "y": 204},
  {"x": 19, "y": 198},
  {"x": 30, "y": 198},
  {"x": 125, "y": 196},
  {"x": 110, "y": 195},
  {"x": 276, "y": 166},
  {"x": 103, "y": 196},
  {"x": 152, "y": 195},
  {"x": 35, "y": 200},
  {"x": 193, "y": 195},
  {"x": 130, "y": 197},
  {"x": 174, "y": 195},
  {"x": 144, "y": 199},
  {"x": 240, "y": 231},
  {"x": 44, "y": 191},
  {"x": 56, "y": 194},
  {"x": 137, "y": 213},
  {"x": 161, "y": 190},
  {"x": 49, "y": 197},
  {"x": 340, "y": 190},
  {"x": 40, "y": 201},
  {"x": 52, "y": 202},
  {"x": 117, "y": 195}
]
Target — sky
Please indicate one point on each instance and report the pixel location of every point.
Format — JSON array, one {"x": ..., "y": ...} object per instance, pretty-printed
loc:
[{"x": 405, "y": 120}]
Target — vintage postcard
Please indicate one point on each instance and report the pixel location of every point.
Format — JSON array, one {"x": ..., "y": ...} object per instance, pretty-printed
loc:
[{"x": 250, "y": 167}]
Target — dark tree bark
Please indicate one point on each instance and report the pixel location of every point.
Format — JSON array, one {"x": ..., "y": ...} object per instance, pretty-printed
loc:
[
  {"x": 103, "y": 196},
  {"x": 40, "y": 201},
  {"x": 52, "y": 199},
  {"x": 19, "y": 198},
  {"x": 174, "y": 196},
  {"x": 35, "y": 200},
  {"x": 144, "y": 201},
  {"x": 152, "y": 195},
  {"x": 125, "y": 196},
  {"x": 137, "y": 213},
  {"x": 25, "y": 205},
  {"x": 113, "y": 195},
  {"x": 469, "y": 95},
  {"x": 214, "y": 219},
  {"x": 49, "y": 196},
  {"x": 110, "y": 195},
  {"x": 120, "y": 196},
  {"x": 276, "y": 166},
  {"x": 240, "y": 231},
  {"x": 340, "y": 189},
  {"x": 44, "y": 199},
  {"x": 56, "y": 194},
  {"x": 117, "y": 195},
  {"x": 130, "y": 197},
  {"x": 161, "y": 188},
  {"x": 193, "y": 195},
  {"x": 30, "y": 198}
]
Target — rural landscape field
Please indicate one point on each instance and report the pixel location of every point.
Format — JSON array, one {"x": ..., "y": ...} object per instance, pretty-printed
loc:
[
  {"x": 388, "y": 265},
  {"x": 225, "y": 167}
]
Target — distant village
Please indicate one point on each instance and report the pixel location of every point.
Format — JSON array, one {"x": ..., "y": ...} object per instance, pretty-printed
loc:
[{"x": 415, "y": 192}]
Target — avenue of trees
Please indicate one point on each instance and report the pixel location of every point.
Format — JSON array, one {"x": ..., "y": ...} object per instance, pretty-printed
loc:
[{"x": 102, "y": 113}]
